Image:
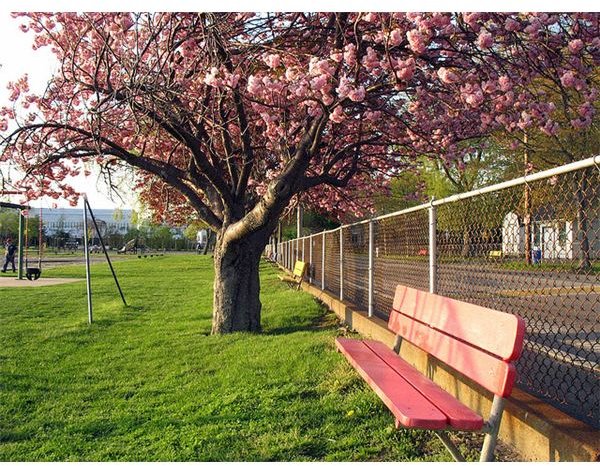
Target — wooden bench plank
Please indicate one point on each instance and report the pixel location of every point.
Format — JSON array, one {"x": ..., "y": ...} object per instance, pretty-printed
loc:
[
  {"x": 494, "y": 374},
  {"x": 407, "y": 404},
  {"x": 466, "y": 321},
  {"x": 459, "y": 416}
]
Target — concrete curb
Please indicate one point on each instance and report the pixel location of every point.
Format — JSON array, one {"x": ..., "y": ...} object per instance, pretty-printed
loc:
[{"x": 537, "y": 430}]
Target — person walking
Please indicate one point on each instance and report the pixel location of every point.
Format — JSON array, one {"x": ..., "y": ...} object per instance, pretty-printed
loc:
[{"x": 9, "y": 255}]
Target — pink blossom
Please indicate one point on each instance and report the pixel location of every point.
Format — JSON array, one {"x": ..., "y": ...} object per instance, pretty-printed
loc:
[
  {"x": 586, "y": 110},
  {"x": 485, "y": 118},
  {"x": 474, "y": 99},
  {"x": 575, "y": 46},
  {"x": 291, "y": 73},
  {"x": 337, "y": 56},
  {"x": 318, "y": 67},
  {"x": 344, "y": 88},
  {"x": 485, "y": 40},
  {"x": 370, "y": 17},
  {"x": 370, "y": 60},
  {"x": 505, "y": 84},
  {"x": 550, "y": 128},
  {"x": 373, "y": 116},
  {"x": 357, "y": 95},
  {"x": 337, "y": 116},
  {"x": 350, "y": 54},
  {"x": 273, "y": 60},
  {"x": 512, "y": 25},
  {"x": 232, "y": 80},
  {"x": 416, "y": 41},
  {"x": 254, "y": 84},
  {"x": 126, "y": 23},
  {"x": 396, "y": 37},
  {"x": 327, "y": 99},
  {"x": 568, "y": 79},
  {"x": 319, "y": 82},
  {"x": 447, "y": 76},
  {"x": 406, "y": 69},
  {"x": 211, "y": 78},
  {"x": 489, "y": 86}
]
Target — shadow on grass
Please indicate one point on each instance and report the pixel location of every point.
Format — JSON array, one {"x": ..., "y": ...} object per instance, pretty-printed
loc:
[{"x": 324, "y": 321}]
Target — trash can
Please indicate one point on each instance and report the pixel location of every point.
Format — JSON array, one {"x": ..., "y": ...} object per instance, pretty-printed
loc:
[{"x": 536, "y": 256}]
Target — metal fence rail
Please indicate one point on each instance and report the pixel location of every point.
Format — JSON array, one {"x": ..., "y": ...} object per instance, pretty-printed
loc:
[{"x": 529, "y": 246}]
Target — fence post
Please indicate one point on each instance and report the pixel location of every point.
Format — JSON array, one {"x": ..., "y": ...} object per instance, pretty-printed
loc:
[
  {"x": 303, "y": 249},
  {"x": 297, "y": 255},
  {"x": 341, "y": 263},
  {"x": 323, "y": 262},
  {"x": 371, "y": 263},
  {"x": 432, "y": 248},
  {"x": 310, "y": 260}
]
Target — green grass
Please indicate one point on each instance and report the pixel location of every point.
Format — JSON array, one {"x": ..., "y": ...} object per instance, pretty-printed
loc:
[{"x": 147, "y": 382}]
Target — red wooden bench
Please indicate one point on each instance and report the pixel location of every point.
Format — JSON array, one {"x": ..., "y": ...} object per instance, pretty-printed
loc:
[{"x": 476, "y": 341}]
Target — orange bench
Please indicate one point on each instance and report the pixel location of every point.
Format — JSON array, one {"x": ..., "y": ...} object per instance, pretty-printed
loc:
[{"x": 478, "y": 342}]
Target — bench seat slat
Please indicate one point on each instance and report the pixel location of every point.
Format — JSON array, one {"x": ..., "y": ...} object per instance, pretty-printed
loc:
[
  {"x": 496, "y": 332},
  {"x": 407, "y": 404},
  {"x": 494, "y": 374},
  {"x": 459, "y": 416}
]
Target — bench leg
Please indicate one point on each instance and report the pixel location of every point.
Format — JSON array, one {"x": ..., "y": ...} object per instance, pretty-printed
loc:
[
  {"x": 493, "y": 425},
  {"x": 449, "y": 444}
]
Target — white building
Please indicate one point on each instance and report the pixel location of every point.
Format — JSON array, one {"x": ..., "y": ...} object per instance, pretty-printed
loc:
[
  {"x": 554, "y": 238},
  {"x": 110, "y": 221}
]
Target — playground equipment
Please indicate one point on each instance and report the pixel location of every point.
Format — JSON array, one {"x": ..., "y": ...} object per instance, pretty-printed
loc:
[
  {"x": 130, "y": 246},
  {"x": 33, "y": 273},
  {"x": 21, "y": 209},
  {"x": 87, "y": 209}
]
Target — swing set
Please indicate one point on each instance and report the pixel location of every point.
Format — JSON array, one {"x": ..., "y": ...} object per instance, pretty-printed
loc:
[{"x": 21, "y": 209}]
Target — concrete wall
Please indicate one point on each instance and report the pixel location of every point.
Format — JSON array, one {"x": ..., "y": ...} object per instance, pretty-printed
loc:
[{"x": 537, "y": 430}]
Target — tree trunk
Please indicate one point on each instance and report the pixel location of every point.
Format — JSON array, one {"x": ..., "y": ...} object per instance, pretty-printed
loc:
[
  {"x": 582, "y": 220},
  {"x": 236, "y": 305},
  {"x": 466, "y": 247},
  {"x": 209, "y": 238}
]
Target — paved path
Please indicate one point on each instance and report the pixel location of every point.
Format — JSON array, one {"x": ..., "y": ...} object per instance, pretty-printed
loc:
[{"x": 12, "y": 282}]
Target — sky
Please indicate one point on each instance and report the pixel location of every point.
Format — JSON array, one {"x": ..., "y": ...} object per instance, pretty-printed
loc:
[{"x": 17, "y": 56}]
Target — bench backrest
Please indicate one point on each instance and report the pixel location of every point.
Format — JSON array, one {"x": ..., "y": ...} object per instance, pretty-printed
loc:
[
  {"x": 299, "y": 269},
  {"x": 477, "y": 341}
]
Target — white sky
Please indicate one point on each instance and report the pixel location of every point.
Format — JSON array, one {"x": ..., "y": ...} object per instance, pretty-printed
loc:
[{"x": 17, "y": 57}]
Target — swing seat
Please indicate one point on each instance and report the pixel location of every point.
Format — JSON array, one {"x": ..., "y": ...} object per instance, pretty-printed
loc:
[{"x": 33, "y": 273}]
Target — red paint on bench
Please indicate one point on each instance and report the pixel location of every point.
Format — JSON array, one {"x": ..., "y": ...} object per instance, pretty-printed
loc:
[
  {"x": 494, "y": 374},
  {"x": 493, "y": 331},
  {"x": 459, "y": 416},
  {"x": 407, "y": 404}
]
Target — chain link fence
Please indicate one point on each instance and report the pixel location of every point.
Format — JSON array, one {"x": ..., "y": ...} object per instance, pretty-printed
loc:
[{"x": 529, "y": 246}]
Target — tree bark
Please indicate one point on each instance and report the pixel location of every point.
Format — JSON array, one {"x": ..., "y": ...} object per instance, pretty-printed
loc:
[
  {"x": 585, "y": 262},
  {"x": 236, "y": 305},
  {"x": 466, "y": 248},
  {"x": 209, "y": 239}
]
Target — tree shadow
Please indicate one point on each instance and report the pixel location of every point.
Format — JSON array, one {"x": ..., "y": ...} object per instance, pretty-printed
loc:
[{"x": 326, "y": 320}]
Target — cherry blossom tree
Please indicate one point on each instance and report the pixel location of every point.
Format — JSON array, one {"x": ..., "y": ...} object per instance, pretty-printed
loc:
[{"x": 235, "y": 116}]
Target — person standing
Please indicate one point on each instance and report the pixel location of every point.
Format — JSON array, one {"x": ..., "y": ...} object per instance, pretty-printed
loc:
[{"x": 9, "y": 255}]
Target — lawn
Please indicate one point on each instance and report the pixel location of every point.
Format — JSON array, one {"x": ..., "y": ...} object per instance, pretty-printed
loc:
[{"x": 148, "y": 382}]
